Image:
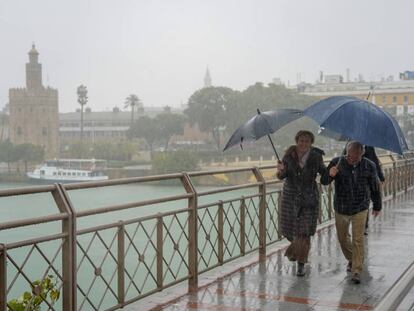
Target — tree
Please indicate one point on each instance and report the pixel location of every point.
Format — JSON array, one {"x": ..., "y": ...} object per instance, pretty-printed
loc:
[
  {"x": 7, "y": 153},
  {"x": 113, "y": 151},
  {"x": 170, "y": 124},
  {"x": 207, "y": 107},
  {"x": 133, "y": 101},
  {"x": 78, "y": 150},
  {"x": 145, "y": 128},
  {"x": 173, "y": 162},
  {"x": 4, "y": 119},
  {"x": 29, "y": 153}
]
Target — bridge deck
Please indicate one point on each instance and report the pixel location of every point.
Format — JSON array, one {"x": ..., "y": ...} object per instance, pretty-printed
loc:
[{"x": 272, "y": 284}]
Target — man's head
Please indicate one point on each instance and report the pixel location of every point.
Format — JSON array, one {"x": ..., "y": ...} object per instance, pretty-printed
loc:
[{"x": 354, "y": 152}]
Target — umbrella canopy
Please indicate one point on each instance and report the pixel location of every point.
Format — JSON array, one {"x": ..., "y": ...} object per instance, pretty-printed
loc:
[
  {"x": 262, "y": 124},
  {"x": 346, "y": 117}
]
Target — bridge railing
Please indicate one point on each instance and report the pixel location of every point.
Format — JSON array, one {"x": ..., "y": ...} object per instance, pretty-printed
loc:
[{"x": 106, "y": 257}]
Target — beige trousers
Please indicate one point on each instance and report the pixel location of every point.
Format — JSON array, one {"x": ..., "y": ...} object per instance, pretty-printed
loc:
[{"x": 352, "y": 250}]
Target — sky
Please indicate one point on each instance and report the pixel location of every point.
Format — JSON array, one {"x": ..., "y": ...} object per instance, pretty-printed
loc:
[{"x": 160, "y": 50}]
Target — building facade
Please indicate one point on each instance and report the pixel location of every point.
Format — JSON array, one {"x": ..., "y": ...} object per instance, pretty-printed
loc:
[
  {"x": 113, "y": 125},
  {"x": 396, "y": 97},
  {"x": 34, "y": 111}
]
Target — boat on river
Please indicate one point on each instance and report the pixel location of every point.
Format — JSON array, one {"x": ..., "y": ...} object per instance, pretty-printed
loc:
[{"x": 70, "y": 170}]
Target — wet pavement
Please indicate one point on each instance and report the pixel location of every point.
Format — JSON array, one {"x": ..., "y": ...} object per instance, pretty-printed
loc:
[{"x": 273, "y": 285}]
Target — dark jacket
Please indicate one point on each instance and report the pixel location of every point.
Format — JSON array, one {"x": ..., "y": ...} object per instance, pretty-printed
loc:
[
  {"x": 300, "y": 195},
  {"x": 371, "y": 155},
  {"x": 354, "y": 186}
]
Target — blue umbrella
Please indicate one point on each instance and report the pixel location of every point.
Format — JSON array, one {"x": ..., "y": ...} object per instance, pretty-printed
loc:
[
  {"x": 352, "y": 118},
  {"x": 262, "y": 124}
]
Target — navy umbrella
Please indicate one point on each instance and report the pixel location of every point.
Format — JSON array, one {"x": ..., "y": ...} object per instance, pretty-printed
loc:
[
  {"x": 349, "y": 118},
  {"x": 262, "y": 124}
]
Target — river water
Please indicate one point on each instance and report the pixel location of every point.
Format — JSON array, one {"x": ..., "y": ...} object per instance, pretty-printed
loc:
[{"x": 137, "y": 240}]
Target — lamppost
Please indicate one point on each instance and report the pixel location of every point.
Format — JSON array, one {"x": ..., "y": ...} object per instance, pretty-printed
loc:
[{"x": 82, "y": 100}]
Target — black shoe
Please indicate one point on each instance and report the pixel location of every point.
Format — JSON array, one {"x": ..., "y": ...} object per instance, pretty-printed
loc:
[
  {"x": 349, "y": 267},
  {"x": 366, "y": 231},
  {"x": 301, "y": 269},
  {"x": 356, "y": 278}
]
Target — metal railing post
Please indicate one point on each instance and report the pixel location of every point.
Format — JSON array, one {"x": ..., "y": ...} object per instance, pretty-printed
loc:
[
  {"x": 330, "y": 191},
  {"x": 69, "y": 260},
  {"x": 262, "y": 212},
  {"x": 394, "y": 181},
  {"x": 406, "y": 175},
  {"x": 3, "y": 278},
  {"x": 121, "y": 263},
  {"x": 320, "y": 205},
  {"x": 192, "y": 233},
  {"x": 160, "y": 252},
  {"x": 243, "y": 226},
  {"x": 220, "y": 237},
  {"x": 279, "y": 214}
]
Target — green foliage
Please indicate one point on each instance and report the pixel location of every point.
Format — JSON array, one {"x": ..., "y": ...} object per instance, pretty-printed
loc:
[
  {"x": 79, "y": 150},
  {"x": 10, "y": 153},
  {"x": 145, "y": 128},
  {"x": 218, "y": 109},
  {"x": 173, "y": 162},
  {"x": 117, "y": 151},
  {"x": 208, "y": 108},
  {"x": 29, "y": 153},
  {"x": 113, "y": 151},
  {"x": 169, "y": 124},
  {"x": 40, "y": 291},
  {"x": 135, "y": 103},
  {"x": 7, "y": 152}
]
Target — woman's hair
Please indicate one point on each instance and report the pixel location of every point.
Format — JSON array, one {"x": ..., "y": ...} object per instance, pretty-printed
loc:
[{"x": 305, "y": 133}]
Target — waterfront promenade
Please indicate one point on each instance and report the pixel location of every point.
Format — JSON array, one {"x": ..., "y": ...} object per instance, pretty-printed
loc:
[{"x": 271, "y": 284}]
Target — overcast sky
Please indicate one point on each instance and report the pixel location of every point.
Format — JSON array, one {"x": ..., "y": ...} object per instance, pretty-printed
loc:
[{"x": 159, "y": 50}]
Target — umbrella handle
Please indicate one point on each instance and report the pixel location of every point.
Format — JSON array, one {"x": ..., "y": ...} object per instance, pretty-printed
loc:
[
  {"x": 271, "y": 141},
  {"x": 340, "y": 159},
  {"x": 273, "y": 146}
]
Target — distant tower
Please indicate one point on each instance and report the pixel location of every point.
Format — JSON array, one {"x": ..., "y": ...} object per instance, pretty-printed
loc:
[
  {"x": 33, "y": 70},
  {"x": 34, "y": 110},
  {"x": 207, "y": 79}
]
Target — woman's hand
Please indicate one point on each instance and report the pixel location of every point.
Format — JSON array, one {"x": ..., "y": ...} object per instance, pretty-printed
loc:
[{"x": 280, "y": 167}]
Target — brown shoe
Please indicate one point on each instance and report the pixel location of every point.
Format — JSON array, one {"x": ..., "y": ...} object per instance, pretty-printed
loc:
[{"x": 356, "y": 278}]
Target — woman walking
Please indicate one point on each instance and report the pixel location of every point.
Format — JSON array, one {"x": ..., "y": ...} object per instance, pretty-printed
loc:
[{"x": 300, "y": 196}]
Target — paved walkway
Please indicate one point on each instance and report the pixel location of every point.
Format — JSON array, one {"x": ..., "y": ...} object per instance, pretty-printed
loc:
[{"x": 273, "y": 285}]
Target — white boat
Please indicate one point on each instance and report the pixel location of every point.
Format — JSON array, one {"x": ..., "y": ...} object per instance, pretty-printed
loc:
[{"x": 70, "y": 170}]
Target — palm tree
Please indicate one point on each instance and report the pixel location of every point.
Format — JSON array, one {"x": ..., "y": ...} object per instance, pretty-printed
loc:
[
  {"x": 82, "y": 100},
  {"x": 133, "y": 101}
]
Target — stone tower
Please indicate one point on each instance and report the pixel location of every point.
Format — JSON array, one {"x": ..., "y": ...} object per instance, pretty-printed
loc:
[
  {"x": 207, "y": 79},
  {"x": 34, "y": 111}
]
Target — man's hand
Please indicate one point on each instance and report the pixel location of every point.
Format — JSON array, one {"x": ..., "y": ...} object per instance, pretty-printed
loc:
[
  {"x": 280, "y": 167},
  {"x": 375, "y": 213},
  {"x": 333, "y": 171}
]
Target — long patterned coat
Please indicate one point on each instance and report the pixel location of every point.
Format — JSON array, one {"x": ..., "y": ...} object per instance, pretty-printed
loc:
[{"x": 300, "y": 195}]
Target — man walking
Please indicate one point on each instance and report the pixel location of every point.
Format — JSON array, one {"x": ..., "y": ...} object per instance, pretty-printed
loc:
[{"x": 356, "y": 183}]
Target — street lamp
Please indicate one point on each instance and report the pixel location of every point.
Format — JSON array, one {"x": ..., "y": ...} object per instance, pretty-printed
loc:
[{"x": 82, "y": 100}]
